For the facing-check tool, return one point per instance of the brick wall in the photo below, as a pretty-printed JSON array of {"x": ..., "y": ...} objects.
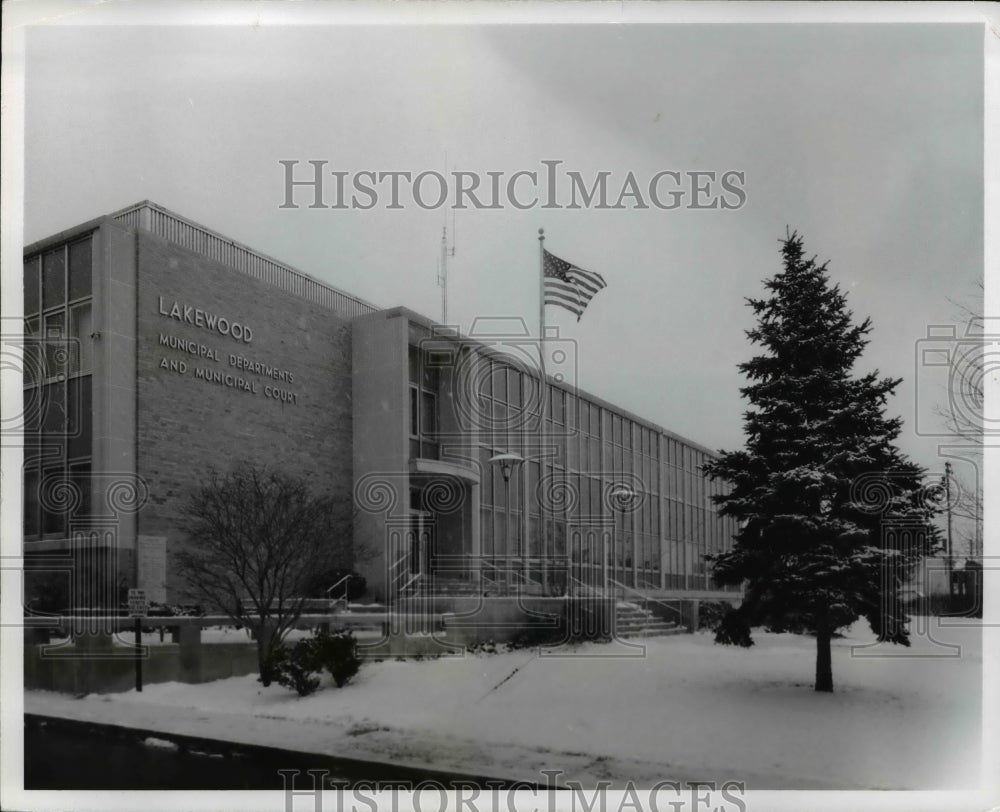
[{"x": 186, "y": 424}]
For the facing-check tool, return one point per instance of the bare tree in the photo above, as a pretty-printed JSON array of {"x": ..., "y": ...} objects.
[{"x": 257, "y": 539}]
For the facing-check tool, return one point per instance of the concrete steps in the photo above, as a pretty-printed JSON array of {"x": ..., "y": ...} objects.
[{"x": 634, "y": 621}]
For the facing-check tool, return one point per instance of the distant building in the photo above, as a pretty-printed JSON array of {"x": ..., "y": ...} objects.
[{"x": 158, "y": 349}]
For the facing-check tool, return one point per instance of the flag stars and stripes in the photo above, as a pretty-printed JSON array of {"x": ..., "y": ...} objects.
[{"x": 568, "y": 286}]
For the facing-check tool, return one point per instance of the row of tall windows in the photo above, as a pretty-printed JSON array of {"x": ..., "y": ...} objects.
[
  {"x": 596, "y": 449},
  {"x": 58, "y": 367},
  {"x": 423, "y": 393}
]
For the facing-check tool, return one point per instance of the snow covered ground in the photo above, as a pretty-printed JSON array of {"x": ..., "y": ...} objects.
[{"x": 685, "y": 710}]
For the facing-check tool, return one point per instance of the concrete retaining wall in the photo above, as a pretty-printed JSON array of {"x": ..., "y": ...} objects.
[{"x": 98, "y": 667}]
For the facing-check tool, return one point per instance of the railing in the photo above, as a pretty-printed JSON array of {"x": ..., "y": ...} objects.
[
  {"x": 344, "y": 580},
  {"x": 490, "y": 581},
  {"x": 644, "y": 599},
  {"x": 581, "y": 588},
  {"x": 208, "y": 243},
  {"x": 410, "y": 586},
  {"x": 505, "y": 578}
]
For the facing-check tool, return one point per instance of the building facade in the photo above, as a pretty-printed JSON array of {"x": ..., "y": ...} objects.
[{"x": 157, "y": 349}]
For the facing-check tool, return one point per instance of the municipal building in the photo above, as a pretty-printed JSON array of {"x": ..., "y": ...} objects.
[{"x": 157, "y": 349}]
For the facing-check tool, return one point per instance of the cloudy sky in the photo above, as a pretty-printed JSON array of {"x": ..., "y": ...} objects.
[{"x": 867, "y": 139}]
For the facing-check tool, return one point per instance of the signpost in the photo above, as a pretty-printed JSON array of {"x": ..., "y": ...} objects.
[{"x": 138, "y": 607}]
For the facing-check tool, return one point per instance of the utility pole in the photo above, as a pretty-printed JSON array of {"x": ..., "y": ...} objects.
[{"x": 947, "y": 502}]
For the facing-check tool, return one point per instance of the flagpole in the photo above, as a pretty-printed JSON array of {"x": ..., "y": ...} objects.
[{"x": 543, "y": 391}]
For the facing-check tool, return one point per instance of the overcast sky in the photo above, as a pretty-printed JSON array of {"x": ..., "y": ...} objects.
[{"x": 866, "y": 139}]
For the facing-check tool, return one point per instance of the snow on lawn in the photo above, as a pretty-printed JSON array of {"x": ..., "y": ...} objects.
[{"x": 686, "y": 710}]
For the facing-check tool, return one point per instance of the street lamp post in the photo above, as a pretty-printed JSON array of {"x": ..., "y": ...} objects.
[
  {"x": 507, "y": 463},
  {"x": 623, "y": 496}
]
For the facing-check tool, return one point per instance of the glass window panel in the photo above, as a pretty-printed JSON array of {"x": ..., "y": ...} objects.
[
  {"x": 428, "y": 413},
  {"x": 56, "y": 358},
  {"x": 79, "y": 475},
  {"x": 53, "y": 519},
  {"x": 81, "y": 347},
  {"x": 500, "y": 491},
  {"x": 31, "y": 358},
  {"x": 430, "y": 376},
  {"x": 514, "y": 387},
  {"x": 53, "y": 406},
  {"x": 499, "y": 379},
  {"x": 534, "y": 536},
  {"x": 31, "y": 282},
  {"x": 479, "y": 370},
  {"x": 54, "y": 278},
  {"x": 530, "y": 396},
  {"x": 79, "y": 269},
  {"x": 78, "y": 417},
  {"x": 414, "y": 364},
  {"x": 558, "y": 406},
  {"x": 573, "y": 453},
  {"x": 414, "y": 412},
  {"x": 32, "y": 411},
  {"x": 581, "y": 489},
  {"x": 561, "y": 443},
  {"x": 32, "y": 524},
  {"x": 414, "y": 448}
]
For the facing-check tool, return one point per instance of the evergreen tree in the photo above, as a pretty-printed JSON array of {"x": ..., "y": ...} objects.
[{"x": 833, "y": 517}]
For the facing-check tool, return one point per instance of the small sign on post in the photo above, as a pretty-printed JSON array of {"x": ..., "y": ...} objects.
[{"x": 138, "y": 607}]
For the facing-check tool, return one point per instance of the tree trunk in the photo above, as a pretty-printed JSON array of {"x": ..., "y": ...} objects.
[
  {"x": 263, "y": 662},
  {"x": 265, "y": 650},
  {"x": 824, "y": 668}
]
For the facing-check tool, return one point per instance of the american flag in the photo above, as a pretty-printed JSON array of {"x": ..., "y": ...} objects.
[{"x": 568, "y": 286}]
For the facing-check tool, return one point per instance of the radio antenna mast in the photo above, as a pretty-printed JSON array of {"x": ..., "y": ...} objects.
[{"x": 443, "y": 274}]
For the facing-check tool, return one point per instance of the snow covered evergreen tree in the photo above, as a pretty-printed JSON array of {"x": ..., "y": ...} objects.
[{"x": 833, "y": 517}]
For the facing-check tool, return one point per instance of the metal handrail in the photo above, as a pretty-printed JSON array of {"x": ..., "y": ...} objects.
[
  {"x": 402, "y": 590},
  {"x": 342, "y": 580},
  {"x": 505, "y": 584},
  {"x": 646, "y": 598},
  {"x": 596, "y": 591},
  {"x": 401, "y": 560}
]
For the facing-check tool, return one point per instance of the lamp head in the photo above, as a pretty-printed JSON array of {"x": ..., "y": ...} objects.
[{"x": 506, "y": 463}]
